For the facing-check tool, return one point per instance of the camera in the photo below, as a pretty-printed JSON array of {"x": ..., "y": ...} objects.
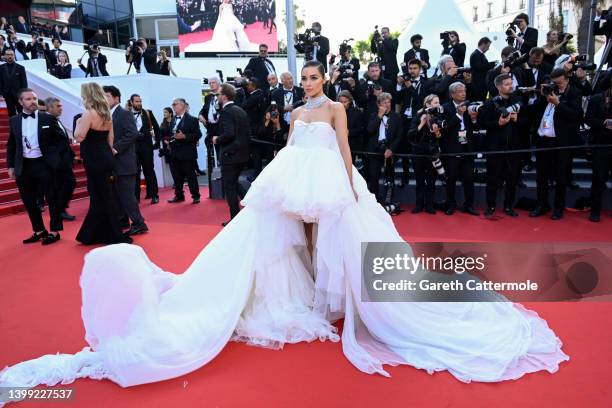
[
  {"x": 273, "y": 110},
  {"x": 40, "y": 40},
  {"x": 505, "y": 111},
  {"x": 512, "y": 27},
  {"x": 474, "y": 107},
  {"x": 525, "y": 90},
  {"x": 549, "y": 89},
  {"x": 586, "y": 67},
  {"x": 372, "y": 86},
  {"x": 515, "y": 59},
  {"x": 436, "y": 119},
  {"x": 304, "y": 43},
  {"x": 578, "y": 58},
  {"x": 434, "y": 110},
  {"x": 434, "y": 151},
  {"x": 91, "y": 47},
  {"x": 562, "y": 35}
]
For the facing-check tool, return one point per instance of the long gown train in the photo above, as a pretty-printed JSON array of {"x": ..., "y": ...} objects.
[{"x": 254, "y": 282}]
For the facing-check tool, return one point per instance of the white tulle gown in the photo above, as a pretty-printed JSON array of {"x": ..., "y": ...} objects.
[
  {"x": 253, "y": 282},
  {"x": 228, "y": 35}
]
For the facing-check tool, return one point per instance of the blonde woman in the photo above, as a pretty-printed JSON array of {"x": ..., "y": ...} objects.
[
  {"x": 164, "y": 64},
  {"x": 94, "y": 130}
]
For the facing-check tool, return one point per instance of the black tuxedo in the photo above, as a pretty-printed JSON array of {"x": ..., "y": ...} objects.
[
  {"x": 278, "y": 96},
  {"x": 462, "y": 167},
  {"x": 456, "y": 51},
  {"x": 144, "y": 151},
  {"x": 356, "y": 129},
  {"x": 392, "y": 141},
  {"x": 389, "y": 57},
  {"x": 89, "y": 71},
  {"x": 480, "y": 66},
  {"x": 184, "y": 155},
  {"x": 258, "y": 67},
  {"x": 254, "y": 106},
  {"x": 41, "y": 174},
  {"x": 234, "y": 145},
  {"x": 211, "y": 127},
  {"x": 12, "y": 79},
  {"x": 530, "y": 38},
  {"x": 323, "y": 51},
  {"x": 411, "y": 54}
]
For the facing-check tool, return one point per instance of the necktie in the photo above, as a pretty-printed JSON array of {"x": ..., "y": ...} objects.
[
  {"x": 95, "y": 64},
  {"x": 28, "y": 115}
]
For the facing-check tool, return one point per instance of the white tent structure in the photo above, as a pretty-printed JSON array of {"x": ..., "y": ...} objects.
[{"x": 435, "y": 17}]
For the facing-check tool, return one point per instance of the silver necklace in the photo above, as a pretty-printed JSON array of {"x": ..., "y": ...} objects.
[{"x": 314, "y": 103}]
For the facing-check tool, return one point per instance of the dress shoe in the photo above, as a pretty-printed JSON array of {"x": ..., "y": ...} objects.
[
  {"x": 137, "y": 229},
  {"x": 155, "y": 200},
  {"x": 430, "y": 210},
  {"x": 224, "y": 223},
  {"x": 449, "y": 211},
  {"x": 196, "y": 200},
  {"x": 51, "y": 238},
  {"x": 36, "y": 237},
  {"x": 470, "y": 210},
  {"x": 200, "y": 172},
  {"x": 176, "y": 199},
  {"x": 68, "y": 217},
  {"x": 126, "y": 239},
  {"x": 417, "y": 209},
  {"x": 510, "y": 211},
  {"x": 538, "y": 211},
  {"x": 489, "y": 211},
  {"x": 557, "y": 215},
  {"x": 594, "y": 217}
]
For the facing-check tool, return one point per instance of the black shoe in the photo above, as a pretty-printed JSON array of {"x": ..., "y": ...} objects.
[
  {"x": 594, "y": 217},
  {"x": 417, "y": 209},
  {"x": 528, "y": 166},
  {"x": 470, "y": 210},
  {"x": 51, "y": 238},
  {"x": 137, "y": 229},
  {"x": 36, "y": 237},
  {"x": 538, "y": 211},
  {"x": 67, "y": 217},
  {"x": 176, "y": 199},
  {"x": 200, "y": 172},
  {"x": 224, "y": 223},
  {"x": 449, "y": 211},
  {"x": 489, "y": 211},
  {"x": 556, "y": 215},
  {"x": 155, "y": 200},
  {"x": 196, "y": 200},
  {"x": 510, "y": 211},
  {"x": 126, "y": 239},
  {"x": 430, "y": 210}
]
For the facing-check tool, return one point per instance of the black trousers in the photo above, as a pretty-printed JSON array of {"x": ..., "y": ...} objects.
[
  {"x": 375, "y": 170},
  {"x": 67, "y": 182},
  {"x": 12, "y": 104},
  {"x": 602, "y": 165},
  {"x": 144, "y": 162},
  {"x": 552, "y": 165},
  {"x": 459, "y": 168},
  {"x": 127, "y": 201},
  {"x": 229, "y": 178},
  {"x": 425, "y": 176},
  {"x": 185, "y": 170},
  {"x": 35, "y": 174},
  {"x": 500, "y": 167}
]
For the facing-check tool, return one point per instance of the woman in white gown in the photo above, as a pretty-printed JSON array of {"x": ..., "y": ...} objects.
[
  {"x": 253, "y": 282},
  {"x": 228, "y": 34}
]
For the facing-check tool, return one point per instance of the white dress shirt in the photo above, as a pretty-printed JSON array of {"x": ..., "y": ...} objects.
[{"x": 29, "y": 135}]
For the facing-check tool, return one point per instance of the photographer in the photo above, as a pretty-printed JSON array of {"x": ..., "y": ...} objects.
[
  {"x": 603, "y": 26},
  {"x": 354, "y": 121},
  {"x": 555, "y": 47},
  {"x": 559, "y": 114},
  {"x": 505, "y": 67},
  {"x": 423, "y": 135},
  {"x": 575, "y": 68},
  {"x": 453, "y": 47},
  {"x": 96, "y": 64},
  {"x": 384, "y": 132},
  {"x": 321, "y": 45},
  {"x": 480, "y": 67},
  {"x": 344, "y": 75},
  {"x": 371, "y": 87},
  {"x": 287, "y": 98},
  {"x": 416, "y": 52},
  {"x": 499, "y": 116},
  {"x": 37, "y": 48},
  {"x": 254, "y": 106},
  {"x": 449, "y": 74},
  {"x": 457, "y": 137},
  {"x": 599, "y": 118},
  {"x": 385, "y": 47},
  {"x": 138, "y": 52},
  {"x": 525, "y": 38},
  {"x": 261, "y": 67},
  {"x": 271, "y": 131}
]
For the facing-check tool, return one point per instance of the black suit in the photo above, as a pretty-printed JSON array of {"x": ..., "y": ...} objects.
[
  {"x": 392, "y": 140},
  {"x": 144, "y": 152},
  {"x": 555, "y": 164},
  {"x": 89, "y": 71},
  {"x": 456, "y": 51},
  {"x": 530, "y": 40},
  {"x": 596, "y": 114},
  {"x": 44, "y": 173},
  {"x": 480, "y": 66},
  {"x": 367, "y": 100},
  {"x": 212, "y": 129},
  {"x": 184, "y": 155},
  {"x": 150, "y": 61},
  {"x": 234, "y": 142},
  {"x": 22, "y": 28},
  {"x": 453, "y": 141},
  {"x": 12, "y": 79},
  {"x": 124, "y": 165},
  {"x": 389, "y": 57},
  {"x": 411, "y": 54},
  {"x": 278, "y": 96},
  {"x": 258, "y": 67},
  {"x": 323, "y": 51}
]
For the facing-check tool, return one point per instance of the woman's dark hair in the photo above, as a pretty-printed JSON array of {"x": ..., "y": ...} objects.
[
  {"x": 169, "y": 110},
  {"x": 317, "y": 65}
]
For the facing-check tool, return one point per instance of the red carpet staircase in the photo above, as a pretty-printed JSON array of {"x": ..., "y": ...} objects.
[{"x": 10, "y": 203}]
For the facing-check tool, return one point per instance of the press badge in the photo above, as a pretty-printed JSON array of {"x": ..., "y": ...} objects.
[{"x": 462, "y": 136}]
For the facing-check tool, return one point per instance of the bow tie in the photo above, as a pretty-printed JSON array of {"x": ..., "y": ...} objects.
[
  {"x": 178, "y": 117},
  {"x": 28, "y": 115}
]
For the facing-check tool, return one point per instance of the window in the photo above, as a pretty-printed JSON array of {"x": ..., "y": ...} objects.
[
  {"x": 475, "y": 18},
  {"x": 489, "y": 11}
]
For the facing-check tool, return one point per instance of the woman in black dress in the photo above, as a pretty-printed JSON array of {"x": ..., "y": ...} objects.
[
  {"x": 63, "y": 69},
  {"x": 164, "y": 64},
  {"x": 94, "y": 130}
]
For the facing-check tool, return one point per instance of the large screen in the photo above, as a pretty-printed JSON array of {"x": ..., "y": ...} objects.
[{"x": 218, "y": 26}]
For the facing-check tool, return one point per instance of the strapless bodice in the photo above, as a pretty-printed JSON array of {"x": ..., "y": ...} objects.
[{"x": 314, "y": 135}]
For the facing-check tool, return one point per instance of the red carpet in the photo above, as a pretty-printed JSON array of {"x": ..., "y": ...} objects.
[
  {"x": 256, "y": 33},
  {"x": 40, "y": 314}
]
